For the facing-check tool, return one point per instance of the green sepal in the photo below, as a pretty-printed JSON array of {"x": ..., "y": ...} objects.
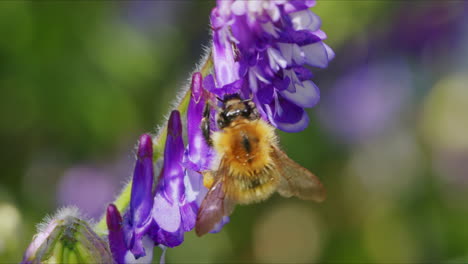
[{"x": 67, "y": 238}]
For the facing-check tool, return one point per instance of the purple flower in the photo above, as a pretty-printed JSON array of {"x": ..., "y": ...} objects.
[
  {"x": 173, "y": 213},
  {"x": 260, "y": 50},
  {"x": 117, "y": 242},
  {"x": 116, "y": 235},
  {"x": 128, "y": 238},
  {"x": 138, "y": 215},
  {"x": 198, "y": 155}
]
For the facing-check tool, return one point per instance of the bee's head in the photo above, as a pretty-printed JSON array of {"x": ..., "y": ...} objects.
[{"x": 234, "y": 108}]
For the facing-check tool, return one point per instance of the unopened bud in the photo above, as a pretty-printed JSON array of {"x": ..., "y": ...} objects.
[{"x": 67, "y": 238}]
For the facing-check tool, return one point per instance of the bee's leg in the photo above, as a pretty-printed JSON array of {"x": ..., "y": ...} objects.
[{"x": 205, "y": 125}]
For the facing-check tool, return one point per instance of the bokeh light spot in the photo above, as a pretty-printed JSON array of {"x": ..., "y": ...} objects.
[
  {"x": 10, "y": 219},
  {"x": 288, "y": 233}
]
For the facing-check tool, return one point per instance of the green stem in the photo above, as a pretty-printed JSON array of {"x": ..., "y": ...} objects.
[{"x": 123, "y": 200}]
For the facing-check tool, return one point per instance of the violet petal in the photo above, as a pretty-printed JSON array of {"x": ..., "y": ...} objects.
[
  {"x": 307, "y": 94},
  {"x": 141, "y": 199},
  {"x": 116, "y": 235}
]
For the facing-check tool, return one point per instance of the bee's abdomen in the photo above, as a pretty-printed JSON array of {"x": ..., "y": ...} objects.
[{"x": 254, "y": 186}]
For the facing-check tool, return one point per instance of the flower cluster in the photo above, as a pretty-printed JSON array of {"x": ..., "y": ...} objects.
[
  {"x": 260, "y": 50},
  {"x": 161, "y": 217}
]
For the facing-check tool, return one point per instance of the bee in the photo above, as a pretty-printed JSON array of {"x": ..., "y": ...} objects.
[{"x": 251, "y": 166}]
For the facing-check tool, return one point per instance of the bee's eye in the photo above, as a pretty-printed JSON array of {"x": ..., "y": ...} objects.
[{"x": 246, "y": 112}]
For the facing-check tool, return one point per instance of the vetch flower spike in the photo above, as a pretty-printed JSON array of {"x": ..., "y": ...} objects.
[
  {"x": 260, "y": 50},
  {"x": 172, "y": 213},
  {"x": 67, "y": 238}
]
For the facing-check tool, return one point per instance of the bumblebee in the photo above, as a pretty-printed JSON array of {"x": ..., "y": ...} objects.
[{"x": 251, "y": 166}]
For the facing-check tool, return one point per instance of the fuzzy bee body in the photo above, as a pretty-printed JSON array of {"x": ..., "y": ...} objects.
[
  {"x": 246, "y": 146},
  {"x": 251, "y": 167}
]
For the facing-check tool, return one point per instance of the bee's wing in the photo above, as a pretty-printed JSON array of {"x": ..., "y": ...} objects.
[
  {"x": 297, "y": 180},
  {"x": 215, "y": 205}
]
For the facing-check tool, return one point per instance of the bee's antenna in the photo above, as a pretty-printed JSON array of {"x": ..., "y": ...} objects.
[{"x": 219, "y": 99}]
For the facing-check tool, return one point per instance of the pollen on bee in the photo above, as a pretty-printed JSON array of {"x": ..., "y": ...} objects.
[{"x": 208, "y": 179}]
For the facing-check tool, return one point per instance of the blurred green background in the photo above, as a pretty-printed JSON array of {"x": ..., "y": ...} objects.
[{"x": 80, "y": 81}]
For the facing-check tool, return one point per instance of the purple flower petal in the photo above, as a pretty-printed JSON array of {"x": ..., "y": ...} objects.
[
  {"x": 169, "y": 239},
  {"x": 227, "y": 68},
  {"x": 276, "y": 60},
  {"x": 239, "y": 8},
  {"x": 138, "y": 216},
  {"x": 270, "y": 29},
  {"x": 301, "y": 38},
  {"x": 305, "y": 20},
  {"x": 230, "y": 88},
  {"x": 316, "y": 55},
  {"x": 265, "y": 94},
  {"x": 291, "y": 74},
  {"x": 188, "y": 214},
  {"x": 148, "y": 246},
  {"x": 171, "y": 211},
  {"x": 116, "y": 235},
  {"x": 141, "y": 200},
  {"x": 297, "y": 5},
  {"x": 287, "y": 116},
  {"x": 303, "y": 73},
  {"x": 194, "y": 188},
  {"x": 170, "y": 190},
  {"x": 165, "y": 213},
  {"x": 298, "y": 126},
  {"x": 330, "y": 52},
  {"x": 281, "y": 84},
  {"x": 320, "y": 34},
  {"x": 209, "y": 83},
  {"x": 292, "y": 53},
  {"x": 197, "y": 155},
  {"x": 307, "y": 94}
]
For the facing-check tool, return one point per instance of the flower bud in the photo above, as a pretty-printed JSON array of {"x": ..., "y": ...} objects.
[{"x": 67, "y": 238}]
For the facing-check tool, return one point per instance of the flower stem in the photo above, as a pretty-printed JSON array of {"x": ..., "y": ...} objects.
[{"x": 123, "y": 200}]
